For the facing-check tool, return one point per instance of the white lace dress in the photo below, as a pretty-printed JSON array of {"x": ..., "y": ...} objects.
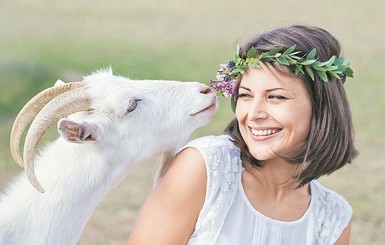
[{"x": 227, "y": 217}]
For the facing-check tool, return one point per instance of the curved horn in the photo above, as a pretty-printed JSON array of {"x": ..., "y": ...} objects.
[
  {"x": 30, "y": 110},
  {"x": 63, "y": 105}
]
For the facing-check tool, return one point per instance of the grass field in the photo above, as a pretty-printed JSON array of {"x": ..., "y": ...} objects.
[{"x": 42, "y": 41}]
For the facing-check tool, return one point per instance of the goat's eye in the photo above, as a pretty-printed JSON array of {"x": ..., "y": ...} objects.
[{"x": 132, "y": 103}]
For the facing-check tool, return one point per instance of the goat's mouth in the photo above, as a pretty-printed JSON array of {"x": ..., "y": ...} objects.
[{"x": 209, "y": 108}]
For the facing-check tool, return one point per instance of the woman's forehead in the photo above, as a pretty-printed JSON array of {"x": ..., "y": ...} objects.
[{"x": 268, "y": 78}]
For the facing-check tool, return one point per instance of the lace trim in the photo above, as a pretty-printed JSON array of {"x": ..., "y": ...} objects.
[
  {"x": 333, "y": 214},
  {"x": 222, "y": 163}
]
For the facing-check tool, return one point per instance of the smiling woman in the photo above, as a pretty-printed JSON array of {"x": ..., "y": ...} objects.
[
  {"x": 257, "y": 184},
  {"x": 273, "y": 111}
]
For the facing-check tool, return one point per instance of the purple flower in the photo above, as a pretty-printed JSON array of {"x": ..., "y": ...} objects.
[
  {"x": 222, "y": 67},
  {"x": 225, "y": 83}
]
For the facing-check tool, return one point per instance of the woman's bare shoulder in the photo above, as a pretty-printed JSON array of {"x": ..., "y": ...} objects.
[
  {"x": 174, "y": 204},
  {"x": 187, "y": 174}
]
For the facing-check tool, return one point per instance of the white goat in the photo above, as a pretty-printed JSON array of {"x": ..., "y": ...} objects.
[{"x": 120, "y": 122}]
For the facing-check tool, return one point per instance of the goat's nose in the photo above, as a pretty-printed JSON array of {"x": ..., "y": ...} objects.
[{"x": 205, "y": 90}]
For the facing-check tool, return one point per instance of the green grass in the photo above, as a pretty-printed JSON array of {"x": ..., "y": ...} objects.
[{"x": 42, "y": 41}]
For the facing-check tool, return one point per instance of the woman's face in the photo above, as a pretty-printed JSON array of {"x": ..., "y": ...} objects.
[{"x": 273, "y": 111}]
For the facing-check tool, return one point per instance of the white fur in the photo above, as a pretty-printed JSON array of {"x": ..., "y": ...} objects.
[{"x": 77, "y": 174}]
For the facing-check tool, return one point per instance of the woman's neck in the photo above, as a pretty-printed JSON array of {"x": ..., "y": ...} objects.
[{"x": 277, "y": 179}]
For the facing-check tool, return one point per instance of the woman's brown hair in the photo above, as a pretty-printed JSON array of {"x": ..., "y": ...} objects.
[{"x": 330, "y": 143}]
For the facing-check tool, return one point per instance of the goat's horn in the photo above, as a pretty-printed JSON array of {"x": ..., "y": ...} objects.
[
  {"x": 30, "y": 110},
  {"x": 63, "y": 105}
]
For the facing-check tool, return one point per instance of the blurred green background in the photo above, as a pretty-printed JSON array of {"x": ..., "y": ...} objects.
[{"x": 42, "y": 41}]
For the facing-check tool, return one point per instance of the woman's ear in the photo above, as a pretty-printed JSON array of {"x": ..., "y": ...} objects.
[{"x": 78, "y": 132}]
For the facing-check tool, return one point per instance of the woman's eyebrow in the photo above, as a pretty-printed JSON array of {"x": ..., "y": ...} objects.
[
  {"x": 245, "y": 88},
  {"x": 274, "y": 89},
  {"x": 268, "y": 90}
]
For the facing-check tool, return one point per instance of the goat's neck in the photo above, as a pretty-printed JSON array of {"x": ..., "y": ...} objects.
[{"x": 75, "y": 179}]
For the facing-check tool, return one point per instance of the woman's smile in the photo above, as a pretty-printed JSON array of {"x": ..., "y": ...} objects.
[{"x": 263, "y": 133}]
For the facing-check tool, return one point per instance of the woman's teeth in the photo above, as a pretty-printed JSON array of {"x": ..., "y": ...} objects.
[{"x": 264, "y": 132}]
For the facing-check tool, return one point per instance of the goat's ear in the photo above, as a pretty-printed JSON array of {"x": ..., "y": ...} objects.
[
  {"x": 78, "y": 132},
  {"x": 58, "y": 83}
]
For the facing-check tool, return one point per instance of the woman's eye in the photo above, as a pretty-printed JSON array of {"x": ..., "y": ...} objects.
[
  {"x": 244, "y": 96},
  {"x": 277, "y": 97}
]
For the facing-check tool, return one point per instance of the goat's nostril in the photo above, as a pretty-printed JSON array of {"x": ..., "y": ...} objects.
[{"x": 205, "y": 90}]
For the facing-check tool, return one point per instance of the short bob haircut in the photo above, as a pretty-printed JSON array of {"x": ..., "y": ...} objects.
[{"x": 330, "y": 143}]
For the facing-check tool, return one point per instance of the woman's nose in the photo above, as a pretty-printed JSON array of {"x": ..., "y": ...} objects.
[{"x": 257, "y": 110}]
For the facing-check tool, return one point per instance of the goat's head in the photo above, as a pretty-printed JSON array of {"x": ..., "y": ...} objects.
[{"x": 115, "y": 112}]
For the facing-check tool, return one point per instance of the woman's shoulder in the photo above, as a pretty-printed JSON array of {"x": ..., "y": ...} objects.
[
  {"x": 222, "y": 160},
  {"x": 213, "y": 143},
  {"x": 213, "y": 140},
  {"x": 333, "y": 212},
  {"x": 331, "y": 199},
  {"x": 217, "y": 149}
]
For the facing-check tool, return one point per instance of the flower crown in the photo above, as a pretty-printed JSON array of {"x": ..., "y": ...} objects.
[{"x": 306, "y": 64}]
